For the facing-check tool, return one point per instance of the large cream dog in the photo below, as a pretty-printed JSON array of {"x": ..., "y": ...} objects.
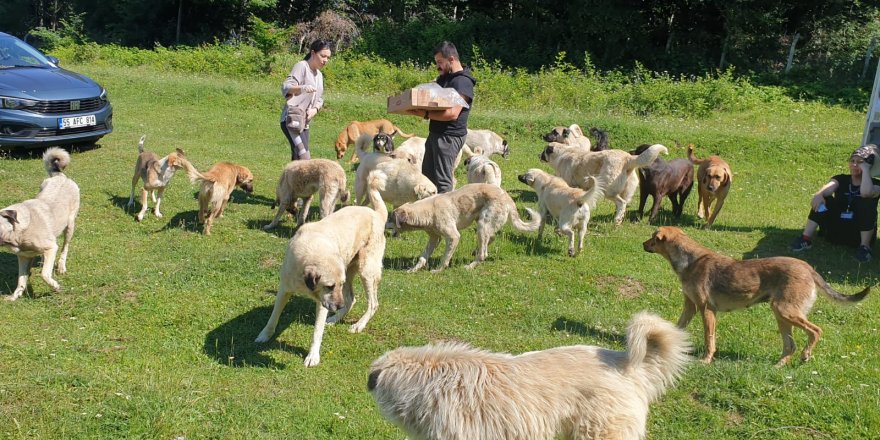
[
  {"x": 401, "y": 183},
  {"x": 616, "y": 169},
  {"x": 156, "y": 174},
  {"x": 301, "y": 179},
  {"x": 489, "y": 141},
  {"x": 571, "y": 207},
  {"x": 444, "y": 215},
  {"x": 481, "y": 169},
  {"x": 31, "y": 228},
  {"x": 216, "y": 187},
  {"x": 355, "y": 129},
  {"x": 453, "y": 391},
  {"x": 571, "y": 135},
  {"x": 322, "y": 260},
  {"x": 713, "y": 283}
]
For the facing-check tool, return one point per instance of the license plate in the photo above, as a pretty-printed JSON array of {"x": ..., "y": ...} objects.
[{"x": 76, "y": 122}]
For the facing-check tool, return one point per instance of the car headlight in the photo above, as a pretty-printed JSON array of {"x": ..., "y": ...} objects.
[
  {"x": 103, "y": 96},
  {"x": 16, "y": 103}
]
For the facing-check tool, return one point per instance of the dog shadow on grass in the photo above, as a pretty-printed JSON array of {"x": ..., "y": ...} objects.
[
  {"x": 232, "y": 343},
  {"x": 287, "y": 226},
  {"x": 240, "y": 197},
  {"x": 186, "y": 220}
]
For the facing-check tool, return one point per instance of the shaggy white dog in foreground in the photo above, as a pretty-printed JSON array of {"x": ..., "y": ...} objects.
[{"x": 453, "y": 391}]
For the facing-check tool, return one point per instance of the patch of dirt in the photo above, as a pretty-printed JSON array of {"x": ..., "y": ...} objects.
[{"x": 626, "y": 287}]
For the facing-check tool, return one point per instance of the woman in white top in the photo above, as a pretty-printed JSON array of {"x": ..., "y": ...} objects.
[{"x": 304, "y": 88}]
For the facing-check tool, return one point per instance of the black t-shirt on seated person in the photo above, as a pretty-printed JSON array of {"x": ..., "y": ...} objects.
[{"x": 463, "y": 82}]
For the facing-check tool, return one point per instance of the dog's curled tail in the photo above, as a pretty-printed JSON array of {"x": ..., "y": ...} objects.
[
  {"x": 397, "y": 130},
  {"x": 657, "y": 352},
  {"x": 692, "y": 157},
  {"x": 194, "y": 175},
  {"x": 141, "y": 144},
  {"x": 55, "y": 160},
  {"x": 835, "y": 295},
  {"x": 376, "y": 182},
  {"x": 517, "y": 222},
  {"x": 647, "y": 157},
  {"x": 592, "y": 195},
  {"x": 363, "y": 145}
]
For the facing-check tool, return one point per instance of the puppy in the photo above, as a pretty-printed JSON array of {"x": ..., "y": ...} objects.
[
  {"x": 616, "y": 170},
  {"x": 573, "y": 135},
  {"x": 713, "y": 283},
  {"x": 674, "y": 178},
  {"x": 31, "y": 228},
  {"x": 322, "y": 261},
  {"x": 444, "y": 215},
  {"x": 570, "y": 206},
  {"x": 489, "y": 141},
  {"x": 156, "y": 174},
  {"x": 216, "y": 187},
  {"x": 301, "y": 179},
  {"x": 453, "y": 391},
  {"x": 401, "y": 182},
  {"x": 481, "y": 169},
  {"x": 714, "y": 179},
  {"x": 355, "y": 129},
  {"x": 601, "y": 139}
]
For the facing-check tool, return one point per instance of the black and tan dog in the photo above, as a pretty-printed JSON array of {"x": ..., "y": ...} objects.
[{"x": 713, "y": 283}]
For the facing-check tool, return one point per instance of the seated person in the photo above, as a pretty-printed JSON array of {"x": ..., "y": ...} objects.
[{"x": 844, "y": 210}]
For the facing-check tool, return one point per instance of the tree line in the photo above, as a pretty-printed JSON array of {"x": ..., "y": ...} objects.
[{"x": 830, "y": 39}]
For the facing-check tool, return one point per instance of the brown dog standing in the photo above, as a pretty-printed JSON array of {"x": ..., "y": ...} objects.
[
  {"x": 217, "y": 185},
  {"x": 712, "y": 283},
  {"x": 714, "y": 178},
  {"x": 354, "y": 129}
]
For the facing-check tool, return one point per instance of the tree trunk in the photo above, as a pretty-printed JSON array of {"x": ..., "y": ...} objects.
[
  {"x": 669, "y": 35},
  {"x": 868, "y": 55},
  {"x": 797, "y": 36},
  {"x": 723, "y": 61},
  {"x": 179, "y": 19}
]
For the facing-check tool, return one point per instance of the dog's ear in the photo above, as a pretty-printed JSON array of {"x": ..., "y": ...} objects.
[
  {"x": 565, "y": 132},
  {"x": 10, "y": 215},
  {"x": 726, "y": 180},
  {"x": 373, "y": 379},
  {"x": 478, "y": 150},
  {"x": 311, "y": 279}
]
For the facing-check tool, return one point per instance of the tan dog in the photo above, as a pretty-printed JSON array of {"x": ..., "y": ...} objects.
[
  {"x": 713, "y": 180},
  {"x": 487, "y": 140},
  {"x": 156, "y": 174},
  {"x": 444, "y": 215},
  {"x": 322, "y": 261},
  {"x": 355, "y": 129},
  {"x": 481, "y": 169},
  {"x": 571, "y": 207},
  {"x": 713, "y": 283},
  {"x": 616, "y": 169},
  {"x": 579, "y": 392},
  {"x": 301, "y": 179},
  {"x": 216, "y": 187},
  {"x": 31, "y": 228},
  {"x": 401, "y": 183},
  {"x": 573, "y": 136}
]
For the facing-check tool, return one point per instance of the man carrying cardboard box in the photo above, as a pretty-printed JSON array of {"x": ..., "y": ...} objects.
[{"x": 448, "y": 127}]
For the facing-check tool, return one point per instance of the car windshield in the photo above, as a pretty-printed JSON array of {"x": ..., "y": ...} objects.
[{"x": 16, "y": 53}]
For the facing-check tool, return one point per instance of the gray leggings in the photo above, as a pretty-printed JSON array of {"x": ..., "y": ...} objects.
[{"x": 300, "y": 140}]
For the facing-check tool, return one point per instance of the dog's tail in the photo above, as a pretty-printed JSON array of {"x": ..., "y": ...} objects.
[
  {"x": 835, "y": 295},
  {"x": 647, "y": 158},
  {"x": 141, "y": 144},
  {"x": 363, "y": 145},
  {"x": 397, "y": 131},
  {"x": 517, "y": 222},
  {"x": 692, "y": 157},
  {"x": 55, "y": 160},
  {"x": 376, "y": 182},
  {"x": 657, "y": 351},
  {"x": 592, "y": 195},
  {"x": 194, "y": 175}
]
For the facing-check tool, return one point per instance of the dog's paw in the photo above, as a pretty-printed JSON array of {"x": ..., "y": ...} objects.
[
  {"x": 158, "y": 214},
  {"x": 440, "y": 269},
  {"x": 357, "y": 327},
  {"x": 270, "y": 226},
  {"x": 312, "y": 359},
  {"x": 262, "y": 338},
  {"x": 706, "y": 360},
  {"x": 140, "y": 217},
  {"x": 470, "y": 266},
  {"x": 571, "y": 253}
]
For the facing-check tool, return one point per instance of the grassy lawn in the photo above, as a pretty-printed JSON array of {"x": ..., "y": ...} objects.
[{"x": 152, "y": 336}]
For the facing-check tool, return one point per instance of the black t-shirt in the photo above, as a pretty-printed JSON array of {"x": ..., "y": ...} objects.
[
  {"x": 847, "y": 196},
  {"x": 463, "y": 82}
]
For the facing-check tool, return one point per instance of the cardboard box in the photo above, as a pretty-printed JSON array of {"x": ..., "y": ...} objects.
[{"x": 416, "y": 98}]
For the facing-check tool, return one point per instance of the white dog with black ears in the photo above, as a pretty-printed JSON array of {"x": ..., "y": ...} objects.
[
  {"x": 454, "y": 391},
  {"x": 322, "y": 260}
]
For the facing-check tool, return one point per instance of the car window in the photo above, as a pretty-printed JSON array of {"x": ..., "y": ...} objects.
[{"x": 16, "y": 53}]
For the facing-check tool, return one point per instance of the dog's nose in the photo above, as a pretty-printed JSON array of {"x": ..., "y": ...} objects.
[{"x": 648, "y": 247}]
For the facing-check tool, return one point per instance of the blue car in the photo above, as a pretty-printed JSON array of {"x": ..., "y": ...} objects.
[{"x": 42, "y": 104}]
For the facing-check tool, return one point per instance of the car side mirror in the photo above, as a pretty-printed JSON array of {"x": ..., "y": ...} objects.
[{"x": 54, "y": 61}]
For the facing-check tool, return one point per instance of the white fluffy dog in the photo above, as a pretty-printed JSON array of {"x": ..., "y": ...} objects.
[
  {"x": 453, "y": 391},
  {"x": 481, "y": 169}
]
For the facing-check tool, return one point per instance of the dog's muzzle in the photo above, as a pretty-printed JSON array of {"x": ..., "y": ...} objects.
[
  {"x": 248, "y": 187},
  {"x": 522, "y": 178},
  {"x": 649, "y": 246}
]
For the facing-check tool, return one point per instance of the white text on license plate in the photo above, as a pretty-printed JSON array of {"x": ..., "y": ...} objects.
[{"x": 76, "y": 121}]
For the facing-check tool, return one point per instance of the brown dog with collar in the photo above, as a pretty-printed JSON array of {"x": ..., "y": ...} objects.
[
  {"x": 713, "y": 181},
  {"x": 354, "y": 129},
  {"x": 713, "y": 283}
]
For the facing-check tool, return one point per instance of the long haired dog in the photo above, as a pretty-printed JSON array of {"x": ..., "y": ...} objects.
[
  {"x": 322, "y": 261},
  {"x": 714, "y": 178},
  {"x": 481, "y": 169},
  {"x": 31, "y": 228},
  {"x": 216, "y": 187},
  {"x": 573, "y": 136},
  {"x": 156, "y": 174},
  {"x": 712, "y": 282},
  {"x": 616, "y": 169},
  {"x": 453, "y": 391},
  {"x": 674, "y": 178},
  {"x": 402, "y": 182},
  {"x": 571, "y": 207},
  {"x": 301, "y": 179},
  {"x": 444, "y": 215}
]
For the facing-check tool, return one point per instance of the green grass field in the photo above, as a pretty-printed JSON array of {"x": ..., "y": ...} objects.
[{"x": 152, "y": 335}]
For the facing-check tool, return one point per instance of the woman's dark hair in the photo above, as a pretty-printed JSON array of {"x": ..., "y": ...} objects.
[
  {"x": 446, "y": 49},
  {"x": 317, "y": 46}
]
